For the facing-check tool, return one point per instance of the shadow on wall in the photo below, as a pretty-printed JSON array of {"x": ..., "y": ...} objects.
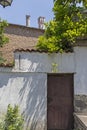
[
  {"x": 37, "y": 62},
  {"x": 34, "y": 92},
  {"x": 28, "y": 90},
  {"x": 4, "y": 79},
  {"x": 7, "y": 87}
]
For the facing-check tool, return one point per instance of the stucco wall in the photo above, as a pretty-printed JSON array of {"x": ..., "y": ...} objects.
[
  {"x": 28, "y": 90},
  {"x": 75, "y": 62},
  {"x": 65, "y": 63},
  {"x": 26, "y": 83},
  {"x": 43, "y": 62},
  {"x": 81, "y": 70},
  {"x": 80, "y": 80}
]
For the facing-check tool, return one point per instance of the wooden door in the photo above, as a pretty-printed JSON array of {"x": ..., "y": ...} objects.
[{"x": 60, "y": 102}]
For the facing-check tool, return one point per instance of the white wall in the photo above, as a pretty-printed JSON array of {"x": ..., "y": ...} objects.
[
  {"x": 80, "y": 78},
  {"x": 66, "y": 63},
  {"x": 28, "y": 90},
  {"x": 42, "y": 62},
  {"x": 26, "y": 83}
]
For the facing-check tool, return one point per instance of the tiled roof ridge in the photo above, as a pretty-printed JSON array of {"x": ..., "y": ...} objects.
[{"x": 29, "y": 50}]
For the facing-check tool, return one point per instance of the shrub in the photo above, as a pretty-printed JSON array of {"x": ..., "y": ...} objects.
[
  {"x": 3, "y": 38},
  {"x": 13, "y": 120}
]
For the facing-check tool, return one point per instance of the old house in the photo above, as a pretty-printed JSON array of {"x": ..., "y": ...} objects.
[{"x": 48, "y": 88}]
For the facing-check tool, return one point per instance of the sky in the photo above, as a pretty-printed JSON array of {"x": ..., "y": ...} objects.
[{"x": 16, "y": 13}]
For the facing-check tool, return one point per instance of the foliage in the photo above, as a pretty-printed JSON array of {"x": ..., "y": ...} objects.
[
  {"x": 68, "y": 24},
  {"x": 13, "y": 120},
  {"x": 54, "y": 67},
  {"x": 2, "y": 60},
  {"x": 3, "y": 38}
]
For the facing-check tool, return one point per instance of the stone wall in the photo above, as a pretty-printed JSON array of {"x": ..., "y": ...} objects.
[
  {"x": 80, "y": 103},
  {"x": 23, "y": 30},
  {"x": 19, "y": 37}
]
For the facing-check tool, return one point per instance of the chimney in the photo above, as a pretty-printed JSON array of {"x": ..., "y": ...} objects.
[
  {"x": 41, "y": 21},
  {"x": 27, "y": 20}
]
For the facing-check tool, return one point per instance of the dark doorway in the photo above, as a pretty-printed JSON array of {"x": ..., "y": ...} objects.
[{"x": 60, "y": 102}]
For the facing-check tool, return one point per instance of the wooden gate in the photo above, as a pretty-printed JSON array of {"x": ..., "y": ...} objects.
[{"x": 60, "y": 102}]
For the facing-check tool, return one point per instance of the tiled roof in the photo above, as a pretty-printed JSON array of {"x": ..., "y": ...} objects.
[{"x": 20, "y": 37}]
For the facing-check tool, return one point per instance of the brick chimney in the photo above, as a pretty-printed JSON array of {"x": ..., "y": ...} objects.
[
  {"x": 41, "y": 21},
  {"x": 27, "y": 20}
]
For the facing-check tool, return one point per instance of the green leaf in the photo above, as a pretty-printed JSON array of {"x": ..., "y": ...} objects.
[{"x": 68, "y": 24}]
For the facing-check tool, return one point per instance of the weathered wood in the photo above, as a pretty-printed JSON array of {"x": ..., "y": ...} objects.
[{"x": 60, "y": 102}]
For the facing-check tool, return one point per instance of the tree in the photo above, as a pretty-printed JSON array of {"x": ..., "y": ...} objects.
[
  {"x": 3, "y": 38},
  {"x": 68, "y": 24}
]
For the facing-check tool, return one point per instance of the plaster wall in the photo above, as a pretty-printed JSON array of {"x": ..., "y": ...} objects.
[
  {"x": 80, "y": 78},
  {"x": 75, "y": 62},
  {"x": 43, "y": 62},
  {"x": 28, "y": 90},
  {"x": 26, "y": 83}
]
